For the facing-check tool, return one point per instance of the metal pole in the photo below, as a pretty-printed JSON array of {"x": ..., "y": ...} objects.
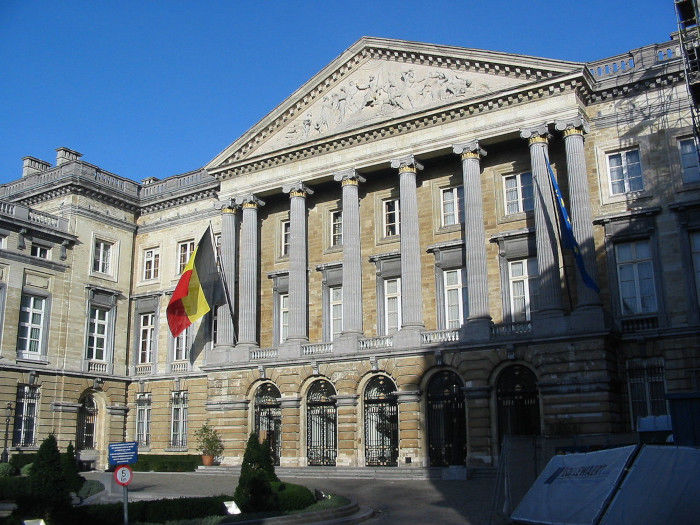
[
  {"x": 126, "y": 505},
  {"x": 5, "y": 455}
]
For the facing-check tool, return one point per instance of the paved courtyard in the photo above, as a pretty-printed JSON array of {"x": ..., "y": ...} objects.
[{"x": 395, "y": 502}]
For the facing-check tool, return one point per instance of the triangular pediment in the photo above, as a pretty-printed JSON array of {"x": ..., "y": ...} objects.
[{"x": 378, "y": 80}]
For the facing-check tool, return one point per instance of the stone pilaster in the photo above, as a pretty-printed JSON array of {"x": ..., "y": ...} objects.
[
  {"x": 352, "y": 263},
  {"x": 480, "y": 445},
  {"x": 230, "y": 418},
  {"x": 548, "y": 314},
  {"x": 411, "y": 290},
  {"x": 248, "y": 281},
  {"x": 291, "y": 429},
  {"x": 347, "y": 429},
  {"x": 479, "y": 320},
  {"x": 410, "y": 436},
  {"x": 298, "y": 267}
]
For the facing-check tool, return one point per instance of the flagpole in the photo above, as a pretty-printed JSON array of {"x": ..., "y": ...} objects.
[{"x": 224, "y": 280}]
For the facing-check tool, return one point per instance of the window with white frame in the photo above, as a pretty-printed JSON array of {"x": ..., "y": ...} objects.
[
  {"x": 635, "y": 276},
  {"x": 392, "y": 217},
  {"x": 178, "y": 427},
  {"x": 454, "y": 300},
  {"x": 283, "y": 316},
  {"x": 284, "y": 239},
  {"x": 3, "y": 241},
  {"x": 181, "y": 347},
  {"x": 31, "y": 325},
  {"x": 147, "y": 338},
  {"x": 25, "y": 415},
  {"x": 37, "y": 250},
  {"x": 522, "y": 275},
  {"x": 689, "y": 160},
  {"x": 335, "y": 314},
  {"x": 102, "y": 257},
  {"x": 625, "y": 172},
  {"x": 695, "y": 251},
  {"x": 647, "y": 388},
  {"x": 336, "y": 234},
  {"x": 185, "y": 250},
  {"x": 517, "y": 193},
  {"x": 392, "y": 305},
  {"x": 151, "y": 264},
  {"x": 143, "y": 419},
  {"x": 451, "y": 206},
  {"x": 98, "y": 324},
  {"x": 217, "y": 246}
]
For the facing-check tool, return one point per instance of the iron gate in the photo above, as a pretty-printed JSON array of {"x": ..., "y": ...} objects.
[
  {"x": 87, "y": 419},
  {"x": 268, "y": 418},
  {"x": 321, "y": 424},
  {"x": 381, "y": 423},
  {"x": 518, "y": 403},
  {"x": 447, "y": 430}
]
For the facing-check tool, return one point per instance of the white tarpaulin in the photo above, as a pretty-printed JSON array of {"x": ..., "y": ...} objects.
[
  {"x": 661, "y": 487},
  {"x": 574, "y": 488}
]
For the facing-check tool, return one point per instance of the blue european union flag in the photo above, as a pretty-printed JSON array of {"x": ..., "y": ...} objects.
[{"x": 567, "y": 234}]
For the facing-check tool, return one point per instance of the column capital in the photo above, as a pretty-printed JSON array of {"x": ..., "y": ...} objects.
[
  {"x": 573, "y": 126},
  {"x": 298, "y": 189},
  {"x": 536, "y": 134},
  {"x": 406, "y": 164},
  {"x": 250, "y": 201},
  {"x": 469, "y": 150},
  {"x": 226, "y": 205},
  {"x": 348, "y": 177}
]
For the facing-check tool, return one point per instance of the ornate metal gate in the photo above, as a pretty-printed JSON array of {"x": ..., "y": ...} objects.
[
  {"x": 321, "y": 424},
  {"x": 381, "y": 423},
  {"x": 518, "y": 402},
  {"x": 87, "y": 420},
  {"x": 268, "y": 418},
  {"x": 447, "y": 430}
]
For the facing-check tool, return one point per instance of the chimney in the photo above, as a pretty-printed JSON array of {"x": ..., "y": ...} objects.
[
  {"x": 149, "y": 180},
  {"x": 32, "y": 165},
  {"x": 64, "y": 155}
]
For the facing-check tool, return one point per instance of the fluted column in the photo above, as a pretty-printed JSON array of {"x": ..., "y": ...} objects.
[
  {"x": 248, "y": 281},
  {"x": 479, "y": 320},
  {"x": 549, "y": 289},
  {"x": 352, "y": 270},
  {"x": 226, "y": 336},
  {"x": 411, "y": 296},
  {"x": 298, "y": 267}
]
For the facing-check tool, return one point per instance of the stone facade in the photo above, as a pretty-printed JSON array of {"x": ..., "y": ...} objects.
[{"x": 400, "y": 293}]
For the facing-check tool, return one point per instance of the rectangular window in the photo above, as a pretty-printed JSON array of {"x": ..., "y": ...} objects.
[
  {"x": 178, "y": 428},
  {"x": 625, "y": 172},
  {"x": 185, "y": 250},
  {"x": 3, "y": 241},
  {"x": 284, "y": 238},
  {"x": 336, "y": 310},
  {"x": 284, "y": 316},
  {"x": 454, "y": 305},
  {"x": 143, "y": 419},
  {"x": 522, "y": 275},
  {"x": 181, "y": 347},
  {"x": 147, "y": 338},
  {"x": 217, "y": 246},
  {"x": 647, "y": 388},
  {"x": 25, "y": 415},
  {"x": 392, "y": 305},
  {"x": 40, "y": 251},
  {"x": 517, "y": 192},
  {"x": 336, "y": 228},
  {"x": 635, "y": 276},
  {"x": 31, "y": 325},
  {"x": 392, "y": 217},
  {"x": 695, "y": 250},
  {"x": 151, "y": 264},
  {"x": 97, "y": 333},
  {"x": 102, "y": 257},
  {"x": 452, "y": 205},
  {"x": 689, "y": 160}
]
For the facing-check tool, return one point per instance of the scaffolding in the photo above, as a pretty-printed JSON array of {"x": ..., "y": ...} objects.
[{"x": 689, "y": 36}]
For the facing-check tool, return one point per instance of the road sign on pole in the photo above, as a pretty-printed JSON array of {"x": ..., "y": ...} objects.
[
  {"x": 123, "y": 453},
  {"x": 124, "y": 475}
]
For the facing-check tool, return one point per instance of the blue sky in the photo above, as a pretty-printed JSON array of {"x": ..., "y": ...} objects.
[{"x": 149, "y": 88}]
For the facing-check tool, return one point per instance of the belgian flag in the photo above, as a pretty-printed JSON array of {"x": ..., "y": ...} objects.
[{"x": 199, "y": 289}]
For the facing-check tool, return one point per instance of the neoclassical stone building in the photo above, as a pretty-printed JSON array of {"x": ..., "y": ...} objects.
[{"x": 400, "y": 294}]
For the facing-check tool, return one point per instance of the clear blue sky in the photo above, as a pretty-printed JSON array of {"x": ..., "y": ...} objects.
[{"x": 155, "y": 88}]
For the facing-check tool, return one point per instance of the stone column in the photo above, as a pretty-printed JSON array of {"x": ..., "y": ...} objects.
[
  {"x": 289, "y": 406},
  {"x": 411, "y": 290},
  {"x": 352, "y": 263},
  {"x": 248, "y": 281},
  {"x": 347, "y": 430},
  {"x": 580, "y": 202},
  {"x": 479, "y": 320},
  {"x": 298, "y": 267},
  {"x": 410, "y": 436},
  {"x": 548, "y": 314},
  {"x": 226, "y": 337}
]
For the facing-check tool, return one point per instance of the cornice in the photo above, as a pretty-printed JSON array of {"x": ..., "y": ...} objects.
[
  {"x": 100, "y": 217},
  {"x": 185, "y": 198},
  {"x": 172, "y": 221}
]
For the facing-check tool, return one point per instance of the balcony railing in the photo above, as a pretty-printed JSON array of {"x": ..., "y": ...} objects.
[
  {"x": 317, "y": 348},
  {"x": 263, "y": 353},
  {"x": 634, "y": 60},
  {"x": 179, "y": 366},
  {"x": 97, "y": 366},
  {"x": 384, "y": 341},
  {"x": 18, "y": 211},
  {"x": 440, "y": 336},
  {"x": 639, "y": 324},
  {"x": 144, "y": 369},
  {"x": 509, "y": 329}
]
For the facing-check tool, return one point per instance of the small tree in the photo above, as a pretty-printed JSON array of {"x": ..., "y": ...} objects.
[
  {"x": 208, "y": 441},
  {"x": 69, "y": 465},
  {"x": 266, "y": 463},
  {"x": 254, "y": 492},
  {"x": 50, "y": 492}
]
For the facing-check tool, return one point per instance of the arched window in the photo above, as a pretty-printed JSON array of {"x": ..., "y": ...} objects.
[
  {"x": 381, "y": 423},
  {"x": 447, "y": 428},
  {"x": 321, "y": 424},
  {"x": 87, "y": 423},
  {"x": 268, "y": 417}
]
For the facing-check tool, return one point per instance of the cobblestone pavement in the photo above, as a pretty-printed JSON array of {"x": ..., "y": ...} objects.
[{"x": 429, "y": 502}]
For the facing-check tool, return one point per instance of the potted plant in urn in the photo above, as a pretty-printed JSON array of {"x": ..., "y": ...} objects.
[{"x": 209, "y": 444}]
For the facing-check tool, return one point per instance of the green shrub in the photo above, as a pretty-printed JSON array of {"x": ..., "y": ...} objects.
[
  {"x": 49, "y": 489},
  {"x": 21, "y": 459},
  {"x": 69, "y": 466},
  {"x": 7, "y": 470},
  {"x": 292, "y": 497},
  {"x": 90, "y": 487},
  {"x": 12, "y": 488},
  {"x": 26, "y": 469},
  {"x": 167, "y": 463},
  {"x": 254, "y": 493}
]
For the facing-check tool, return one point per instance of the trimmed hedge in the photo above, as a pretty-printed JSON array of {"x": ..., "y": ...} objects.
[
  {"x": 21, "y": 459},
  {"x": 7, "y": 470},
  {"x": 12, "y": 488},
  {"x": 291, "y": 496},
  {"x": 167, "y": 463}
]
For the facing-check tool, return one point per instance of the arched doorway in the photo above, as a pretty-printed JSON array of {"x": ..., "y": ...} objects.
[
  {"x": 85, "y": 438},
  {"x": 381, "y": 423},
  {"x": 268, "y": 417},
  {"x": 517, "y": 400},
  {"x": 447, "y": 428},
  {"x": 321, "y": 424}
]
